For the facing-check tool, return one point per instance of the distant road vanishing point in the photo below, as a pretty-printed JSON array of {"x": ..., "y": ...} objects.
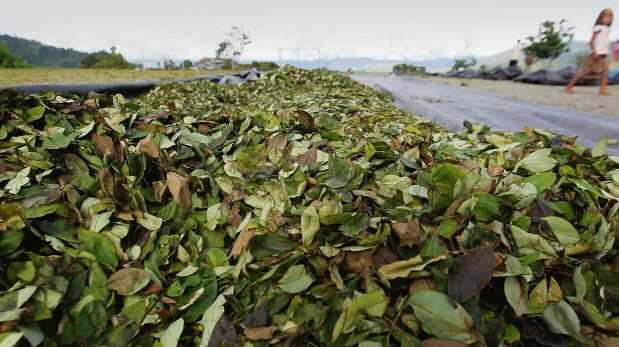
[{"x": 450, "y": 106}]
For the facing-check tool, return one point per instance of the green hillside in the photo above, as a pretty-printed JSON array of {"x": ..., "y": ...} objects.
[
  {"x": 37, "y": 54},
  {"x": 8, "y": 60}
]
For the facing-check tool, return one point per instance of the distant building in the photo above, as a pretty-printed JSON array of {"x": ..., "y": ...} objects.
[{"x": 207, "y": 63}]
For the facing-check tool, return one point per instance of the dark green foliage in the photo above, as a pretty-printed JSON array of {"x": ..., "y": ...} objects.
[
  {"x": 187, "y": 64},
  {"x": 9, "y": 60},
  {"x": 552, "y": 40},
  {"x": 169, "y": 65},
  {"x": 264, "y": 65},
  {"x": 463, "y": 64},
  {"x": 38, "y": 54},
  {"x": 105, "y": 60},
  {"x": 408, "y": 69}
]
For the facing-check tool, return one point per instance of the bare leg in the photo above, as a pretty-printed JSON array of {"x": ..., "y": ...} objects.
[
  {"x": 604, "y": 82},
  {"x": 579, "y": 75}
]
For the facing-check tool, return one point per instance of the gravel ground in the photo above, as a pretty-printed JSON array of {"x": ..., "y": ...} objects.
[{"x": 584, "y": 98}]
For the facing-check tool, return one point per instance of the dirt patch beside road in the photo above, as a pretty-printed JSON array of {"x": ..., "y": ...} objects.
[{"x": 584, "y": 98}]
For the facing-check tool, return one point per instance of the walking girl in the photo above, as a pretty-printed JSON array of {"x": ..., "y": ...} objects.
[{"x": 597, "y": 62}]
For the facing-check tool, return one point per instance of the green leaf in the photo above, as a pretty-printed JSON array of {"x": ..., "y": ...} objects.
[
  {"x": 128, "y": 281},
  {"x": 353, "y": 313},
  {"x": 538, "y": 161},
  {"x": 57, "y": 140},
  {"x": 579, "y": 283},
  {"x": 100, "y": 246},
  {"x": 538, "y": 300},
  {"x": 295, "y": 280},
  {"x": 448, "y": 228},
  {"x": 150, "y": 222},
  {"x": 171, "y": 335},
  {"x": 310, "y": 224},
  {"x": 32, "y": 333},
  {"x": 531, "y": 244},
  {"x": 34, "y": 113},
  {"x": 442, "y": 317},
  {"x": 210, "y": 318},
  {"x": 401, "y": 269},
  {"x": 100, "y": 221},
  {"x": 542, "y": 181},
  {"x": 487, "y": 207},
  {"x": 10, "y": 339},
  {"x": 516, "y": 289},
  {"x": 10, "y": 241},
  {"x": 561, "y": 319},
  {"x": 563, "y": 230},
  {"x": 600, "y": 148},
  {"x": 20, "y": 180}
]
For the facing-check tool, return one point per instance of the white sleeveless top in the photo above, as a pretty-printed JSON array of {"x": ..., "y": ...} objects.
[{"x": 601, "y": 44}]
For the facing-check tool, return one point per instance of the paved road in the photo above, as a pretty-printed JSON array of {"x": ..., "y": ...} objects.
[{"x": 450, "y": 106}]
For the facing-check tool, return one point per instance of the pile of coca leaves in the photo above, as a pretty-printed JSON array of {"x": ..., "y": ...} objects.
[{"x": 302, "y": 209}]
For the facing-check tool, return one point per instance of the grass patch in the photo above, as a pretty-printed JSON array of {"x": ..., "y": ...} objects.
[{"x": 13, "y": 77}]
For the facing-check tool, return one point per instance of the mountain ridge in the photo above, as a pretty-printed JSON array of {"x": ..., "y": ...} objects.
[{"x": 39, "y": 54}]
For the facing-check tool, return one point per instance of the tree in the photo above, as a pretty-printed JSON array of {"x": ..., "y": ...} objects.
[
  {"x": 9, "y": 60},
  {"x": 38, "y": 54},
  {"x": 222, "y": 49},
  {"x": 105, "y": 60},
  {"x": 187, "y": 64},
  {"x": 408, "y": 69},
  {"x": 234, "y": 44},
  {"x": 552, "y": 40},
  {"x": 169, "y": 64},
  {"x": 463, "y": 64}
]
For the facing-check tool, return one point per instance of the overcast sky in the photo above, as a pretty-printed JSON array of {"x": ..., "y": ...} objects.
[{"x": 412, "y": 29}]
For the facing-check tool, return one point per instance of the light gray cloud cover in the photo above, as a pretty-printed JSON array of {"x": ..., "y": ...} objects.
[{"x": 410, "y": 29}]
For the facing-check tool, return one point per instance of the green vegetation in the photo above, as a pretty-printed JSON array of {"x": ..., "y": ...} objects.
[
  {"x": 264, "y": 65},
  {"x": 463, "y": 64},
  {"x": 38, "y": 54},
  {"x": 105, "y": 60},
  {"x": 408, "y": 69},
  {"x": 8, "y": 60},
  {"x": 12, "y": 77},
  {"x": 552, "y": 40},
  {"x": 187, "y": 64},
  {"x": 302, "y": 209}
]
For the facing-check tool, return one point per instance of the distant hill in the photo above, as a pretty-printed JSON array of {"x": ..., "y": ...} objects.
[
  {"x": 566, "y": 59},
  {"x": 38, "y": 54}
]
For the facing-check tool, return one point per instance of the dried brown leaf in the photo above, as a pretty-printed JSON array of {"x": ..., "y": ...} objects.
[
  {"x": 441, "y": 343},
  {"x": 261, "y": 333},
  {"x": 104, "y": 144},
  {"x": 179, "y": 188},
  {"x": 309, "y": 157},
  {"x": 409, "y": 233},
  {"x": 149, "y": 147},
  {"x": 242, "y": 242},
  {"x": 306, "y": 120},
  {"x": 358, "y": 261},
  {"x": 421, "y": 284}
]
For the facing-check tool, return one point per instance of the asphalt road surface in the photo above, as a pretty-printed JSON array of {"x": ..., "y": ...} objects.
[{"x": 450, "y": 106}]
